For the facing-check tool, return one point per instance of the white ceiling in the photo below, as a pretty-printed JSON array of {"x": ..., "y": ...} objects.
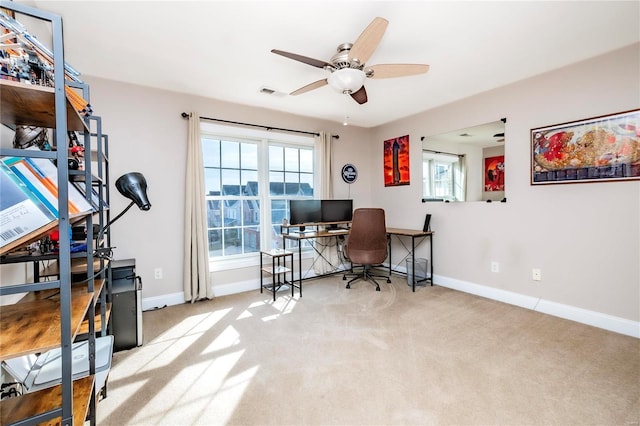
[{"x": 221, "y": 49}]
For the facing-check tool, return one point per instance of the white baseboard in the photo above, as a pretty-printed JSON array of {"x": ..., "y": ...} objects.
[
  {"x": 150, "y": 303},
  {"x": 156, "y": 302},
  {"x": 219, "y": 290},
  {"x": 237, "y": 287},
  {"x": 584, "y": 316}
]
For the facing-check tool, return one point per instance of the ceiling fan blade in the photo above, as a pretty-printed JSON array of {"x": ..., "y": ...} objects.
[
  {"x": 310, "y": 61},
  {"x": 367, "y": 42},
  {"x": 396, "y": 70},
  {"x": 360, "y": 96},
  {"x": 309, "y": 87}
]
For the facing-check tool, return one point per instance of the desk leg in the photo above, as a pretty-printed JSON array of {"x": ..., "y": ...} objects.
[
  {"x": 431, "y": 257},
  {"x": 413, "y": 263},
  {"x": 261, "y": 275},
  {"x": 300, "y": 265},
  {"x": 273, "y": 277},
  {"x": 389, "y": 242}
]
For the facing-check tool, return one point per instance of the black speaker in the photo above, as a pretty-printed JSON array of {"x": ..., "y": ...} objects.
[{"x": 427, "y": 221}]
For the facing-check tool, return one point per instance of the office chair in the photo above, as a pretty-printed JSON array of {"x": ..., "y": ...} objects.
[{"x": 367, "y": 244}]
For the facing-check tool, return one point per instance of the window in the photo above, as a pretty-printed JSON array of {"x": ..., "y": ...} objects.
[
  {"x": 444, "y": 177},
  {"x": 249, "y": 182}
]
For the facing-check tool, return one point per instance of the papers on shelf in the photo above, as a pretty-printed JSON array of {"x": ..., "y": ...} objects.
[
  {"x": 21, "y": 212},
  {"x": 40, "y": 175}
]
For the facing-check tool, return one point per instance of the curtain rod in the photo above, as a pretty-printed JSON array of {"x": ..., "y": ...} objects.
[
  {"x": 185, "y": 115},
  {"x": 442, "y": 152}
]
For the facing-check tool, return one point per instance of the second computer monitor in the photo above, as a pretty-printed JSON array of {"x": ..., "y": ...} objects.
[{"x": 337, "y": 210}]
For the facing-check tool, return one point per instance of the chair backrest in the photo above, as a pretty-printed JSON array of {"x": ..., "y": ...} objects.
[{"x": 367, "y": 244}]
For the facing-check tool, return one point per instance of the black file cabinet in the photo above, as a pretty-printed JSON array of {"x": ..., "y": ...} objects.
[{"x": 126, "y": 305}]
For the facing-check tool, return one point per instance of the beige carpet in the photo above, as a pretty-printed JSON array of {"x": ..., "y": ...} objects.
[{"x": 361, "y": 357}]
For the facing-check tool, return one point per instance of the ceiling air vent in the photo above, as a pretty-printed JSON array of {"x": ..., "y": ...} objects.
[{"x": 269, "y": 91}]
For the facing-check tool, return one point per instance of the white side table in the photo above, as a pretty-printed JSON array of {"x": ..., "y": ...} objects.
[{"x": 278, "y": 270}]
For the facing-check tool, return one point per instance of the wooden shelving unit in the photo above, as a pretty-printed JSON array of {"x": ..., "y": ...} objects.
[
  {"x": 55, "y": 312},
  {"x": 54, "y": 295},
  {"x": 35, "y": 106},
  {"x": 32, "y": 404},
  {"x": 32, "y": 327}
]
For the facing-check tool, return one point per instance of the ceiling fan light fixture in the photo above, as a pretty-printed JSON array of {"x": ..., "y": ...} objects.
[{"x": 347, "y": 80}]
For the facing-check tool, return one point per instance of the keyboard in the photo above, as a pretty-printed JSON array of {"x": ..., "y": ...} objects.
[{"x": 334, "y": 231}]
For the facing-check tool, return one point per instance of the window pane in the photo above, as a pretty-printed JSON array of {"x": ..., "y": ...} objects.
[
  {"x": 276, "y": 158},
  {"x": 232, "y": 241},
  {"x": 250, "y": 182},
  {"x": 211, "y": 152},
  {"x": 249, "y": 156},
  {"x": 230, "y": 155},
  {"x": 230, "y": 182},
  {"x": 215, "y": 243},
  {"x": 251, "y": 239},
  {"x": 306, "y": 184},
  {"x": 306, "y": 160},
  {"x": 276, "y": 183},
  {"x": 214, "y": 214},
  {"x": 278, "y": 211},
  {"x": 212, "y": 181},
  {"x": 291, "y": 163},
  {"x": 250, "y": 212}
]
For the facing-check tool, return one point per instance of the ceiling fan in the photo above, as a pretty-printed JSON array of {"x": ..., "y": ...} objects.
[{"x": 348, "y": 66}]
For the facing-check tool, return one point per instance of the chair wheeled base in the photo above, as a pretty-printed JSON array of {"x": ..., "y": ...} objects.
[{"x": 367, "y": 276}]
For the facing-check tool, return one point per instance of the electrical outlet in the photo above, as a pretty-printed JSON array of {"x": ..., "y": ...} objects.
[
  {"x": 495, "y": 267},
  {"x": 536, "y": 274},
  {"x": 157, "y": 273}
]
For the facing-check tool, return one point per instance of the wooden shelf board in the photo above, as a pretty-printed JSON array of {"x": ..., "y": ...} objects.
[
  {"x": 32, "y": 105},
  {"x": 276, "y": 270},
  {"x": 32, "y": 327},
  {"x": 84, "y": 327},
  {"x": 78, "y": 266},
  {"x": 18, "y": 408},
  {"x": 54, "y": 293}
]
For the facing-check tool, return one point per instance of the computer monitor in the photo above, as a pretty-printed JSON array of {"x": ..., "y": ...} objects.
[
  {"x": 304, "y": 211},
  {"x": 337, "y": 210}
]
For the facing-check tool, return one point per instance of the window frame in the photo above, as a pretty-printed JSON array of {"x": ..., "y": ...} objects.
[
  {"x": 430, "y": 161},
  {"x": 264, "y": 140}
]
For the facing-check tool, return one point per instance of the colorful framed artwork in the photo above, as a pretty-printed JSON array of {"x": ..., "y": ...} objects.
[
  {"x": 605, "y": 148},
  {"x": 494, "y": 173},
  {"x": 396, "y": 161}
]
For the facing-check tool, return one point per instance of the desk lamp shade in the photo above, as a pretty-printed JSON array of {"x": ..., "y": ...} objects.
[{"x": 134, "y": 186}]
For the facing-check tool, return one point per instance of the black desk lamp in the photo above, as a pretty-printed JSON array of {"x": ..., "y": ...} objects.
[{"x": 133, "y": 186}]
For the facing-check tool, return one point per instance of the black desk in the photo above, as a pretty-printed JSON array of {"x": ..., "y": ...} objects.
[{"x": 413, "y": 234}]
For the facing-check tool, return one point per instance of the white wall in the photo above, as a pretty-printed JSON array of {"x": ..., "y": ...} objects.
[
  {"x": 147, "y": 134},
  {"x": 584, "y": 237}
]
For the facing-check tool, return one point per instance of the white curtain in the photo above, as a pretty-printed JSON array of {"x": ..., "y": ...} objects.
[
  {"x": 197, "y": 280},
  {"x": 323, "y": 148},
  {"x": 460, "y": 189},
  {"x": 328, "y": 255}
]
